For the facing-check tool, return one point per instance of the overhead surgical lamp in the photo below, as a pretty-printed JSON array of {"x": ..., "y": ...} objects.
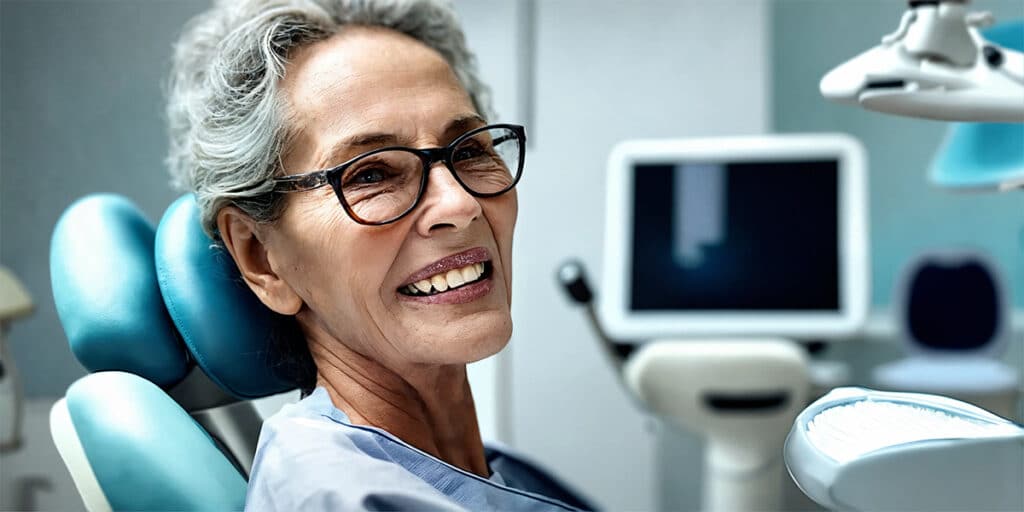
[
  {"x": 936, "y": 65},
  {"x": 984, "y": 156}
]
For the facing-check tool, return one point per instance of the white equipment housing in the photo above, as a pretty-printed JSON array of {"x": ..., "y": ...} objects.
[{"x": 935, "y": 66}]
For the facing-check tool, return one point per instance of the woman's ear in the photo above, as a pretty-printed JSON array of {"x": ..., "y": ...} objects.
[{"x": 242, "y": 239}]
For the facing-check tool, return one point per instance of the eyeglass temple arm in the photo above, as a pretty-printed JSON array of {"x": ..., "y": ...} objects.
[{"x": 300, "y": 182}]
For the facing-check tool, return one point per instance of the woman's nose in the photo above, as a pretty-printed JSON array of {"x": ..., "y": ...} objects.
[{"x": 445, "y": 203}]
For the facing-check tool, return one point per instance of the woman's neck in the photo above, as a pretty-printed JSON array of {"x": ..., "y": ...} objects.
[{"x": 429, "y": 407}]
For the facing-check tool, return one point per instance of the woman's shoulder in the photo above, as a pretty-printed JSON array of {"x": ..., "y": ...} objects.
[
  {"x": 316, "y": 406},
  {"x": 310, "y": 428}
]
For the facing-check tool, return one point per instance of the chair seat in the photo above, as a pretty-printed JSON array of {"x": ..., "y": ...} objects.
[{"x": 948, "y": 374}]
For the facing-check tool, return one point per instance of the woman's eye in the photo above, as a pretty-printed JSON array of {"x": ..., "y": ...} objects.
[
  {"x": 465, "y": 153},
  {"x": 368, "y": 176}
]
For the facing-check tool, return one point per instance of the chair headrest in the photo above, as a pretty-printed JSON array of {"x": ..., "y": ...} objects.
[
  {"x": 225, "y": 327},
  {"x": 152, "y": 302},
  {"x": 106, "y": 292}
]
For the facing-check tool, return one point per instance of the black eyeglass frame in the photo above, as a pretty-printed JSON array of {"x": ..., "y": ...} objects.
[{"x": 429, "y": 156}]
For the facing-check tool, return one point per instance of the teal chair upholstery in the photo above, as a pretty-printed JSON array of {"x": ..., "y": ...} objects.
[
  {"x": 140, "y": 450},
  {"x": 169, "y": 332}
]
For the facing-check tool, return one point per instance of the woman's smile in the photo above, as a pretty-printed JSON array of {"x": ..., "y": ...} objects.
[{"x": 456, "y": 279}]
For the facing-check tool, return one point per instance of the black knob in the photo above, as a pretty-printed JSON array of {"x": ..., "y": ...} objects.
[
  {"x": 993, "y": 55},
  {"x": 573, "y": 278}
]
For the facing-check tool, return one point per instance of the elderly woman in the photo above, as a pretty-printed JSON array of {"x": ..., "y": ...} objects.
[{"x": 341, "y": 152}]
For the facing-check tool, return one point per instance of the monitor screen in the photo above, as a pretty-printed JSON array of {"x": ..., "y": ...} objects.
[
  {"x": 753, "y": 236},
  {"x": 762, "y": 235}
]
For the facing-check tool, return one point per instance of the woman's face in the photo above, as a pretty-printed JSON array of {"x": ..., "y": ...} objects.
[{"x": 357, "y": 91}]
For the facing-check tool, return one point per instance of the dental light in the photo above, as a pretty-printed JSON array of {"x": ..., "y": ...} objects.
[
  {"x": 936, "y": 65},
  {"x": 857, "y": 449}
]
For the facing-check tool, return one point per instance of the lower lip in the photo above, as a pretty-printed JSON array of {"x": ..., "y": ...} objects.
[{"x": 461, "y": 295}]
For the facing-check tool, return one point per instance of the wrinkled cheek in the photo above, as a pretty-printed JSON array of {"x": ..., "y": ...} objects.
[
  {"x": 504, "y": 228},
  {"x": 514, "y": 216}
]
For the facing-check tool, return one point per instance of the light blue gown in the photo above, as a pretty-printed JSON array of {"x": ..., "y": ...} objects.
[{"x": 312, "y": 458}]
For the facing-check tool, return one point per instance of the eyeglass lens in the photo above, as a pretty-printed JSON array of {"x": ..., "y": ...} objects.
[{"x": 382, "y": 186}]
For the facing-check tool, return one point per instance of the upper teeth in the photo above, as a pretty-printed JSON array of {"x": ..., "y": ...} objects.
[{"x": 446, "y": 280}]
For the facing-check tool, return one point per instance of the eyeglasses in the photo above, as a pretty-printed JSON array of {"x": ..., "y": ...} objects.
[{"x": 381, "y": 186}]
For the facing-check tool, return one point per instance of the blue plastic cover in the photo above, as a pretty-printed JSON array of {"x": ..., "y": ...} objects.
[
  {"x": 984, "y": 155},
  {"x": 147, "y": 453},
  {"x": 221, "y": 321},
  {"x": 106, "y": 293}
]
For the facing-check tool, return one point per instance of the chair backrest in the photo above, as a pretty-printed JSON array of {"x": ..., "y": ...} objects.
[
  {"x": 155, "y": 313},
  {"x": 953, "y": 302}
]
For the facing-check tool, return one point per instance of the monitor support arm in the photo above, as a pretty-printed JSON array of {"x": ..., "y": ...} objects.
[
  {"x": 740, "y": 395},
  {"x": 573, "y": 278}
]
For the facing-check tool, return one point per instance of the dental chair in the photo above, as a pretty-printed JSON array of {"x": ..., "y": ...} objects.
[{"x": 177, "y": 346}]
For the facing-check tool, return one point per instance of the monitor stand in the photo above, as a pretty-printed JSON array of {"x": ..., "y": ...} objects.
[{"x": 741, "y": 395}]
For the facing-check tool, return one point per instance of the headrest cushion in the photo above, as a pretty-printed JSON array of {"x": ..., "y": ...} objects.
[
  {"x": 226, "y": 328},
  {"x": 106, "y": 292}
]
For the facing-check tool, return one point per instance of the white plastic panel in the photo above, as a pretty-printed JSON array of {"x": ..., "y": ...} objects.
[{"x": 70, "y": 448}]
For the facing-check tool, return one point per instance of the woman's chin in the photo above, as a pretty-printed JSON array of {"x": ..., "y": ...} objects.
[
  {"x": 488, "y": 349},
  {"x": 464, "y": 342}
]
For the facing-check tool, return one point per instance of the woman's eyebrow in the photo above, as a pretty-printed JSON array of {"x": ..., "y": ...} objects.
[
  {"x": 462, "y": 124},
  {"x": 354, "y": 145},
  {"x": 358, "y": 143}
]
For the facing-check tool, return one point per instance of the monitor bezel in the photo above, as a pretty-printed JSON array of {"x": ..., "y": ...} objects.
[{"x": 623, "y": 323}]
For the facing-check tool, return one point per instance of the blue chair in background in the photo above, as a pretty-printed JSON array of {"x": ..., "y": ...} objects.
[{"x": 954, "y": 316}]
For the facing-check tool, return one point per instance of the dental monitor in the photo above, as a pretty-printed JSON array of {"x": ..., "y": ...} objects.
[{"x": 727, "y": 236}]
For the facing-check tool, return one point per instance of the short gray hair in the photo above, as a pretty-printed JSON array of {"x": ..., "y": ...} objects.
[{"x": 227, "y": 122}]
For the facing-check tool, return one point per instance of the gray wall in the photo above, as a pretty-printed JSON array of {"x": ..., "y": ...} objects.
[{"x": 82, "y": 112}]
